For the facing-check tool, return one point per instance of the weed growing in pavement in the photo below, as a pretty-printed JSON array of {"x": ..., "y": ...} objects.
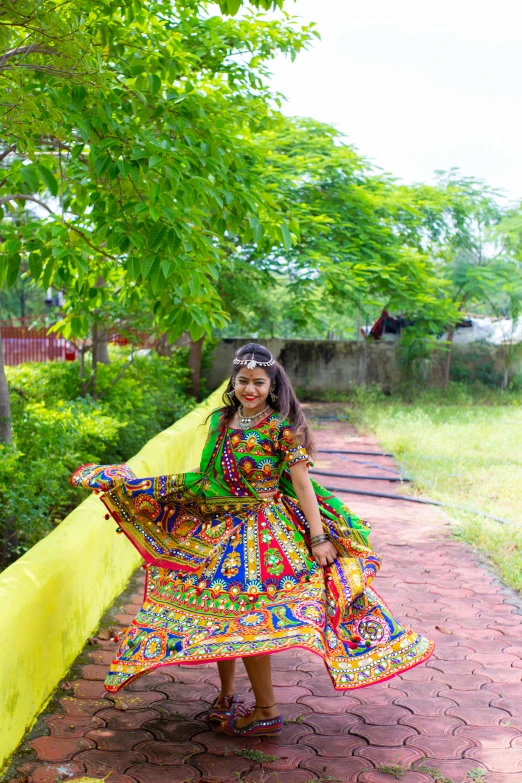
[
  {"x": 435, "y": 774},
  {"x": 397, "y": 770},
  {"x": 264, "y": 776},
  {"x": 291, "y": 721},
  {"x": 255, "y": 755}
]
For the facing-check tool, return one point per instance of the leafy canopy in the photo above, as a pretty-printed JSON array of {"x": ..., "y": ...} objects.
[{"x": 138, "y": 174}]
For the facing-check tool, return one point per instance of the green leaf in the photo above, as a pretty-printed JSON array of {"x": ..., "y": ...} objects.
[
  {"x": 48, "y": 179},
  {"x": 12, "y": 245},
  {"x": 101, "y": 164},
  {"x": 30, "y": 175},
  {"x": 13, "y": 269},
  {"x": 230, "y": 6},
  {"x": 155, "y": 275},
  {"x": 173, "y": 241},
  {"x": 286, "y": 237},
  {"x": 156, "y": 235},
  {"x": 146, "y": 266},
  {"x": 167, "y": 267},
  {"x": 106, "y": 144},
  {"x": 35, "y": 265},
  {"x": 134, "y": 267},
  {"x": 154, "y": 160},
  {"x": 85, "y": 128},
  {"x": 154, "y": 83},
  {"x": 48, "y": 272},
  {"x": 138, "y": 153}
]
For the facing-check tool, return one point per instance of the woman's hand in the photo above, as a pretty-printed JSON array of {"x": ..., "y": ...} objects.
[{"x": 325, "y": 554}]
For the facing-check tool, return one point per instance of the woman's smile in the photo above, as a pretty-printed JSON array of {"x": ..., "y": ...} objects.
[{"x": 251, "y": 388}]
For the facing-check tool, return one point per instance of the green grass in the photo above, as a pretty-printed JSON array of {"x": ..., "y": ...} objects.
[{"x": 465, "y": 453}]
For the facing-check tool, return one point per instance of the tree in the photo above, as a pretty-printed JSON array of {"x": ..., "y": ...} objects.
[
  {"x": 348, "y": 238},
  {"x": 469, "y": 252},
  {"x": 136, "y": 177}
]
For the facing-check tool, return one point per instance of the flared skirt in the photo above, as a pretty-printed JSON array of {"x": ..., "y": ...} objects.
[{"x": 261, "y": 592}]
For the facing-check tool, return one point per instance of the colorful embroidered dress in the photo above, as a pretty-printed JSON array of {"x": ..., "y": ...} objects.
[{"x": 230, "y": 573}]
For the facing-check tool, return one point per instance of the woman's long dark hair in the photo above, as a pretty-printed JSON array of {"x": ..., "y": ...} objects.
[{"x": 286, "y": 404}]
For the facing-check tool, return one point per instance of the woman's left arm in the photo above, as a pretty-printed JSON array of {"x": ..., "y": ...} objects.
[{"x": 324, "y": 554}]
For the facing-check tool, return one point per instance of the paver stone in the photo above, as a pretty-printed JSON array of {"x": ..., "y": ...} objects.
[
  {"x": 149, "y": 773},
  {"x": 59, "y": 748},
  {"x": 116, "y": 739},
  {"x": 99, "y": 762},
  {"x": 443, "y": 747},
  {"x": 335, "y": 746},
  {"x": 384, "y": 736}
]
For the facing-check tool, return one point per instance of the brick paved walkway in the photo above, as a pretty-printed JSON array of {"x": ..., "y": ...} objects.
[{"x": 460, "y": 714}]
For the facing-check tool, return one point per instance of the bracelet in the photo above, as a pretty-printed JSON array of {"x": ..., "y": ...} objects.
[{"x": 320, "y": 539}]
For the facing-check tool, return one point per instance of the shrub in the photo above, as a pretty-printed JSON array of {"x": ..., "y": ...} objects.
[{"x": 55, "y": 431}]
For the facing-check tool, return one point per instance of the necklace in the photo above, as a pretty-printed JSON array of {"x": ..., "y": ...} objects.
[{"x": 246, "y": 422}]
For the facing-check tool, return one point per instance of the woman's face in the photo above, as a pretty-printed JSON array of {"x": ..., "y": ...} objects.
[{"x": 251, "y": 388}]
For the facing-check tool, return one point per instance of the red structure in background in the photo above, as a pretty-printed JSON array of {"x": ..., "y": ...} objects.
[
  {"x": 22, "y": 344},
  {"x": 24, "y": 341}
]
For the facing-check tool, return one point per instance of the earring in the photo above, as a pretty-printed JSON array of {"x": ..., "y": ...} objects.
[
  {"x": 230, "y": 394},
  {"x": 273, "y": 396}
]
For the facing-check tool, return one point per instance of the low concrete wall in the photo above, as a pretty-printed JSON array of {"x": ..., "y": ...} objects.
[
  {"x": 320, "y": 365},
  {"x": 53, "y": 597}
]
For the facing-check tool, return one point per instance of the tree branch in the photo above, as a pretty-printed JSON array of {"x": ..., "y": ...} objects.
[
  {"x": 25, "y": 50},
  {"x": 52, "y": 141},
  {"x": 26, "y": 197},
  {"x": 7, "y": 152},
  {"x": 120, "y": 374}
]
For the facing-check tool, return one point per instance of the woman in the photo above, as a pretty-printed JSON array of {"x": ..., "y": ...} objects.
[{"x": 249, "y": 557}]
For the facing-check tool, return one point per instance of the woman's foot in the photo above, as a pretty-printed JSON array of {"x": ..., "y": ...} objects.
[
  {"x": 257, "y": 714},
  {"x": 222, "y": 708},
  {"x": 262, "y": 721}
]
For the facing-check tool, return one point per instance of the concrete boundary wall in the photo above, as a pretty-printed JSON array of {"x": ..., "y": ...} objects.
[
  {"x": 319, "y": 365},
  {"x": 52, "y": 598},
  {"x": 322, "y": 366}
]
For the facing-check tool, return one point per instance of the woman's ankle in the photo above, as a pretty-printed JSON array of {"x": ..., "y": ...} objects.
[{"x": 267, "y": 712}]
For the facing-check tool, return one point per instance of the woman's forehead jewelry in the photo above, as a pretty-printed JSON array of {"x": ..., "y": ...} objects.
[{"x": 251, "y": 363}]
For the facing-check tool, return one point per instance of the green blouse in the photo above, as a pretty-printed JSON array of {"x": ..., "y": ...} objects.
[{"x": 262, "y": 452}]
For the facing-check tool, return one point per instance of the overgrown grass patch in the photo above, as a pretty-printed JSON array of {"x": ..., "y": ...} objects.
[{"x": 463, "y": 451}]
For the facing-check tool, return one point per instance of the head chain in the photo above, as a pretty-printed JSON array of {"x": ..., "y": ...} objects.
[{"x": 251, "y": 363}]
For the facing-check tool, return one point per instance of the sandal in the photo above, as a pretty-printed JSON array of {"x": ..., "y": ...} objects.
[
  {"x": 269, "y": 727},
  {"x": 217, "y": 714}
]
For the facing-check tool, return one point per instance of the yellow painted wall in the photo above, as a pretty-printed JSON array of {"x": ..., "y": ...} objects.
[{"x": 53, "y": 597}]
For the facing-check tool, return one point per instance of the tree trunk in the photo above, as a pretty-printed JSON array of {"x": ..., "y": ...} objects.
[
  {"x": 5, "y": 403},
  {"x": 447, "y": 364},
  {"x": 163, "y": 347},
  {"x": 101, "y": 346},
  {"x": 194, "y": 363},
  {"x": 81, "y": 357},
  {"x": 8, "y": 542},
  {"x": 94, "y": 370}
]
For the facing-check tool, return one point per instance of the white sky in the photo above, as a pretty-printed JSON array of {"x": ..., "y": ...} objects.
[{"x": 415, "y": 85}]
